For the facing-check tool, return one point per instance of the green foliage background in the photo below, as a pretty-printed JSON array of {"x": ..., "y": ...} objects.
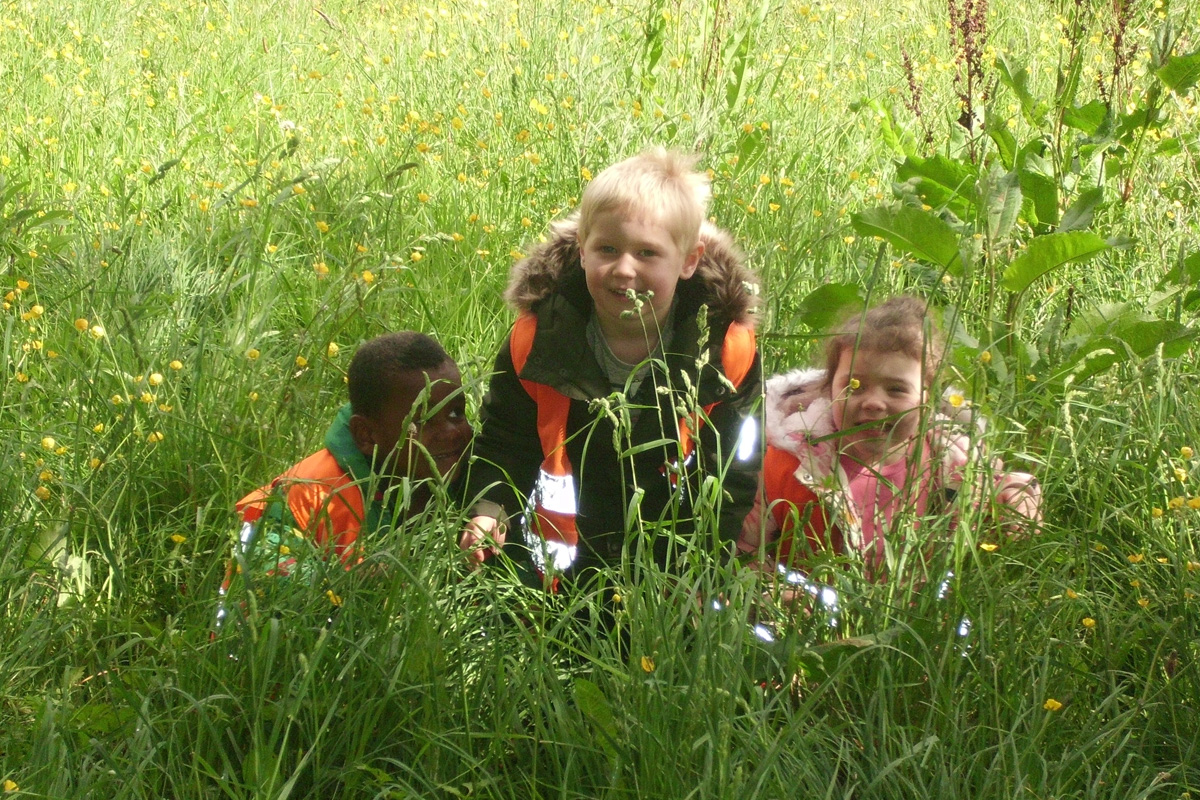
[{"x": 205, "y": 207}]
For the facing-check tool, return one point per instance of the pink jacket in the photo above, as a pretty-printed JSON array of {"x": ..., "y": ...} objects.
[{"x": 799, "y": 423}]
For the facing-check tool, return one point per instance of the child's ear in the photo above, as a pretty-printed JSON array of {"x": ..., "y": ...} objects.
[
  {"x": 362, "y": 430},
  {"x": 691, "y": 261}
]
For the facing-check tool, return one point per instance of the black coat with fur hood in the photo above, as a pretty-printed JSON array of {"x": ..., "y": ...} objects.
[{"x": 507, "y": 453}]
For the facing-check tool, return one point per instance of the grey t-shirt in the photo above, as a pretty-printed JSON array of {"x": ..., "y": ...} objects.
[{"x": 618, "y": 371}]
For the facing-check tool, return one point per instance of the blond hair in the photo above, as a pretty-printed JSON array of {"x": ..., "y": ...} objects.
[
  {"x": 900, "y": 325},
  {"x": 659, "y": 182}
]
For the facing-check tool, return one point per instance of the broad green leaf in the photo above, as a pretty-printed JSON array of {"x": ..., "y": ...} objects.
[
  {"x": 826, "y": 304},
  {"x": 1087, "y": 118},
  {"x": 1181, "y": 73},
  {"x": 1079, "y": 216},
  {"x": 1174, "y": 145},
  {"x": 1001, "y": 136},
  {"x": 1047, "y": 253},
  {"x": 595, "y": 707},
  {"x": 940, "y": 179},
  {"x": 1186, "y": 272},
  {"x": 918, "y": 233},
  {"x": 735, "y": 69},
  {"x": 1038, "y": 183},
  {"x": 1017, "y": 79},
  {"x": 1002, "y": 199}
]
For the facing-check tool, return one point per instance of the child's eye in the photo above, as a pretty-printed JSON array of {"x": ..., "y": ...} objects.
[
  {"x": 607, "y": 248},
  {"x": 647, "y": 253}
]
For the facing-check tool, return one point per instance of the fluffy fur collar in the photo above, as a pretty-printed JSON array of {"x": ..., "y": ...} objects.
[
  {"x": 729, "y": 287},
  {"x": 799, "y": 412}
]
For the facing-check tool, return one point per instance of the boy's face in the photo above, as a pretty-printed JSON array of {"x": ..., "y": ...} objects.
[
  {"x": 633, "y": 250},
  {"x": 884, "y": 392},
  {"x": 418, "y": 442}
]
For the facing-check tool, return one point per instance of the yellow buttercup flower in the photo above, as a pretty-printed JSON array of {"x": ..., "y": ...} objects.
[
  {"x": 647, "y": 664},
  {"x": 178, "y": 538},
  {"x": 1089, "y": 623},
  {"x": 1051, "y": 704},
  {"x": 331, "y": 350},
  {"x": 155, "y": 378},
  {"x": 1186, "y": 452},
  {"x": 176, "y": 365},
  {"x": 301, "y": 361},
  {"x": 81, "y": 324},
  {"x": 252, "y": 353}
]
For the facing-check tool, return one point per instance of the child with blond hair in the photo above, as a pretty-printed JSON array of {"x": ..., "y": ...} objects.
[
  {"x": 857, "y": 454},
  {"x": 630, "y": 375}
]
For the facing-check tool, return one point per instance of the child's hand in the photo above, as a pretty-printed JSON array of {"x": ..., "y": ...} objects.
[
  {"x": 482, "y": 538},
  {"x": 1020, "y": 492}
]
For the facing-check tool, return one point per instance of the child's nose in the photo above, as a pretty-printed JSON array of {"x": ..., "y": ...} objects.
[
  {"x": 625, "y": 265},
  {"x": 873, "y": 399}
]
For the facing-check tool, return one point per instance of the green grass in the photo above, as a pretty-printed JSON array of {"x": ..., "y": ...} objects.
[{"x": 225, "y": 179}]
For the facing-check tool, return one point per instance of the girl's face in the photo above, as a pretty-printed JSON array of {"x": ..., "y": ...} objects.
[{"x": 883, "y": 393}]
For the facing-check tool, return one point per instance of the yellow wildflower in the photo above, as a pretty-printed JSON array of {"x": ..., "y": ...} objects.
[
  {"x": 1089, "y": 623},
  {"x": 647, "y": 664},
  {"x": 1072, "y": 594},
  {"x": 955, "y": 400},
  {"x": 155, "y": 378},
  {"x": 42, "y": 493},
  {"x": 322, "y": 226},
  {"x": 331, "y": 350},
  {"x": 368, "y": 277},
  {"x": 1051, "y": 704},
  {"x": 98, "y": 332},
  {"x": 1135, "y": 558},
  {"x": 988, "y": 547},
  {"x": 301, "y": 361},
  {"x": 81, "y": 324},
  {"x": 253, "y": 353},
  {"x": 1186, "y": 451},
  {"x": 178, "y": 538},
  {"x": 48, "y": 443}
]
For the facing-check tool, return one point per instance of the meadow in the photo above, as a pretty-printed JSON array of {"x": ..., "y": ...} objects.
[{"x": 205, "y": 206}]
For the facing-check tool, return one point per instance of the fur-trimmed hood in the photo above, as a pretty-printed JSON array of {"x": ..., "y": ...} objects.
[
  {"x": 798, "y": 413},
  {"x": 722, "y": 278}
]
